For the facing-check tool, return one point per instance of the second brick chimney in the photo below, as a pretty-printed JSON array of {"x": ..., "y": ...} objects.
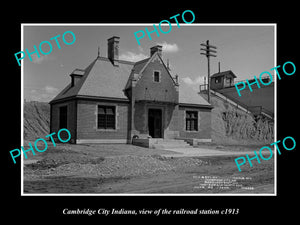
[
  {"x": 157, "y": 48},
  {"x": 113, "y": 50}
]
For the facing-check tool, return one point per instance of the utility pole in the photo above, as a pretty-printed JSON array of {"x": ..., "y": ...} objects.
[{"x": 207, "y": 52}]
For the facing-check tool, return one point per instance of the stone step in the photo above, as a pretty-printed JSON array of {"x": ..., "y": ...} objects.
[
  {"x": 164, "y": 146},
  {"x": 170, "y": 143},
  {"x": 160, "y": 141}
]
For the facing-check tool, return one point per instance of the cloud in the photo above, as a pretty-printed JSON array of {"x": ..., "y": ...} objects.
[
  {"x": 187, "y": 80},
  {"x": 44, "y": 94},
  {"x": 132, "y": 57},
  {"x": 196, "y": 81},
  {"x": 42, "y": 58},
  {"x": 140, "y": 48},
  {"x": 169, "y": 48},
  {"x": 50, "y": 90},
  {"x": 193, "y": 83}
]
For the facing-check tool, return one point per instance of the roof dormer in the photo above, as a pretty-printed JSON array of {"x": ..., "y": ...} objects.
[{"x": 76, "y": 75}]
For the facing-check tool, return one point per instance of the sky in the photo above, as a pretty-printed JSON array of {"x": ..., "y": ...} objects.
[{"x": 247, "y": 50}]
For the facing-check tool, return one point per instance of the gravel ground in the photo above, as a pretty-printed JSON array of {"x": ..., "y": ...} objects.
[
  {"x": 63, "y": 161},
  {"x": 85, "y": 169},
  {"x": 119, "y": 166}
]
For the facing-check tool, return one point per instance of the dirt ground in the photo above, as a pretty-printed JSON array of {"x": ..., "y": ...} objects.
[{"x": 103, "y": 169}]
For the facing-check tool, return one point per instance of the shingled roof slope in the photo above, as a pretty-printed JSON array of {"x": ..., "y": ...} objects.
[
  {"x": 70, "y": 91},
  {"x": 188, "y": 95},
  {"x": 102, "y": 79},
  {"x": 106, "y": 80}
]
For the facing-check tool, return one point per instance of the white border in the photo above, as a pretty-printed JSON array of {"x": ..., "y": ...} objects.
[
  {"x": 275, "y": 110},
  {"x": 151, "y": 24},
  {"x": 22, "y": 111}
]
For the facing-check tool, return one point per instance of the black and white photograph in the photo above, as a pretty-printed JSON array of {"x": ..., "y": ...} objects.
[
  {"x": 138, "y": 112},
  {"x": 175, "y": 115}
]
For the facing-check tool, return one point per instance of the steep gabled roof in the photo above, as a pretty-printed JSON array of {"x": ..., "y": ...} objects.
[
  {"x": 153, "y": 57},
  {"x": 106, "y": 80},
  {"x": 140, "y": 66},
  {"x": 70, "y": 91},
  {"x": 101, "y": 79}
]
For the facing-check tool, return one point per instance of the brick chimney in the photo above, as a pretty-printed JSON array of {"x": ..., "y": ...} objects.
[
  {"x": 157, "y": 48},
  {"x": 113, "y": 50}
]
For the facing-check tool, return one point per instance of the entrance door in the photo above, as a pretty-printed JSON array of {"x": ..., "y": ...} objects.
[{"x": 155, "y": 123}]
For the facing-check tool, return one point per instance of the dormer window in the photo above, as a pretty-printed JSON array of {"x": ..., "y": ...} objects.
[
  {"x": 156, "y": 76},
  {"x": 76, "y": 75}
]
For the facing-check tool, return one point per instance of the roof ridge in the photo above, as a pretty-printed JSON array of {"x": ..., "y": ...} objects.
[
  {"x": 222, "y": 73},
  {"x": 119, "y": 60}
]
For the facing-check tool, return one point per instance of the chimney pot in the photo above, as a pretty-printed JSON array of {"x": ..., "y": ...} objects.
[{"x": 157, "y": 48}]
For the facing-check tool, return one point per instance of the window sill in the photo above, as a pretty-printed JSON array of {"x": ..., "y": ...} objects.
[
  {"x": 192, "y": 131},
  {"x": 106, "y": 130}
]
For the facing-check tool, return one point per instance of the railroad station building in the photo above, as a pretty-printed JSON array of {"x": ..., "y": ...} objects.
[{"x": 117, "y": 101}]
